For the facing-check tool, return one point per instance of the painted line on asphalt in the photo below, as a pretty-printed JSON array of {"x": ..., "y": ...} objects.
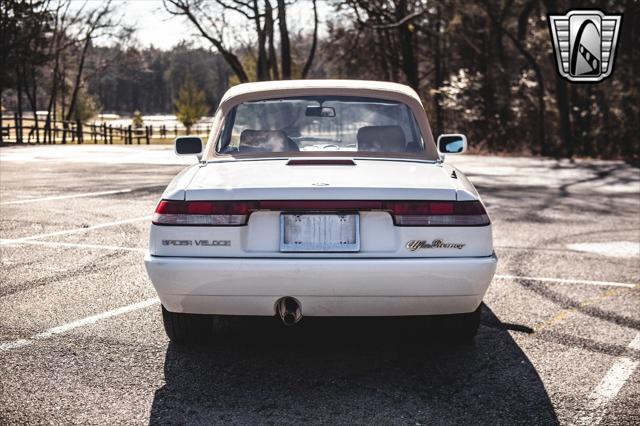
[
  {"x": 65, "y": 197},
  {"x": 565, "y": 281},
  {"x": 565, "y": 313},
  {"x": 621, "y": 370},
  {"x": 73, "y": 245},
  {"x": 73, "y": 231},
  {"x": 13, "y": 344}
]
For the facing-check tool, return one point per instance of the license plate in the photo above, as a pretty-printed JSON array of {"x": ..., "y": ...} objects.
[{"x": 319, "y": 232}]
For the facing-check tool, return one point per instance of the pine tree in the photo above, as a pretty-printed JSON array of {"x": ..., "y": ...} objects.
[
  {"x": 191, "y": 103},
  {"x": 137, "y": 121}
]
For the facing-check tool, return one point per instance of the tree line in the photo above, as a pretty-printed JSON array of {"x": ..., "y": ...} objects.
[{"x": 482, "y": 67}]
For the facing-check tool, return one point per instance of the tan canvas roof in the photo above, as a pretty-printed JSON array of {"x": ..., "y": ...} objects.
[{"x": 268, "y": 88}]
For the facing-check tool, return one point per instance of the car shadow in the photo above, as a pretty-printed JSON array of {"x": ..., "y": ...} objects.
[{"x": 350, "y": 371}]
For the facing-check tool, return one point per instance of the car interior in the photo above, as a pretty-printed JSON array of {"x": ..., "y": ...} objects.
[{"x": 369, "y": 139}]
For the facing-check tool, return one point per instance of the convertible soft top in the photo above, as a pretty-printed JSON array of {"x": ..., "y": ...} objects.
[{"x": 267, "y": 89}]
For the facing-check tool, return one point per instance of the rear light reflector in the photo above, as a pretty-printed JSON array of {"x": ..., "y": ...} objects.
[{"x": 404, "y": 213}]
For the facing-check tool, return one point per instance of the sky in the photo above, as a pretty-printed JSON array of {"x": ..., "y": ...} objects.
[{"x": 156, "y": 27}]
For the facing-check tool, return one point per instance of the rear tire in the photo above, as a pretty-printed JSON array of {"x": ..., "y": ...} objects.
[
  {"x": 458, "y": 328},
  {"x": 187, "y": 328}
]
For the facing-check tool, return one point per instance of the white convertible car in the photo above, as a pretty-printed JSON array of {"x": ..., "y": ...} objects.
[{"x": 320, "y": 198}]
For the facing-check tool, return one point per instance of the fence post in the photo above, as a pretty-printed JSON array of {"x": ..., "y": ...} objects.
[
  {"x": 110, "y": 134},
  {"x": 176, "y": 130},
  {"x": 49, "y": 129},
  {"x": 147, "y": 131},
  {"x": 36, "y": 128},
  {"x": 45, "y": 128},
  {"x": 16, "y": 119},
  {"x": 79, "y": 131},
  {"x": 130, "y": 135}
]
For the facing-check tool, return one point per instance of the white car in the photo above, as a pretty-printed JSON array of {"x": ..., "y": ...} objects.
[{"x": 320, "y": 198}]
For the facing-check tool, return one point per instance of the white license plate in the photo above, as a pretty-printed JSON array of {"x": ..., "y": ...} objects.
[{"x": 319, "y": 232}]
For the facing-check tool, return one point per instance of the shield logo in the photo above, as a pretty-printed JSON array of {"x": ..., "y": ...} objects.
[{"x": 585, "y": 44}]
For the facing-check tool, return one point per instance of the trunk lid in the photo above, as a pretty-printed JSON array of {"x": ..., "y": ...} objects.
[{"x": 366, "y": 179}]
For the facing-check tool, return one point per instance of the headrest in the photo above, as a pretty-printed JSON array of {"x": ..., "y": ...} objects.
[
  {"x": 381, "y": 139},
  {"x": 263, "y": 140}
]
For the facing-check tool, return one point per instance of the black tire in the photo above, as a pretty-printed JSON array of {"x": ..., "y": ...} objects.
[
  {"x": 458, "y": 328},
  {"x": 187, "y": 328}
]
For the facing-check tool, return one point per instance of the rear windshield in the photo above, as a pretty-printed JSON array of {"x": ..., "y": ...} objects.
[{"x": 320, "y": 124}]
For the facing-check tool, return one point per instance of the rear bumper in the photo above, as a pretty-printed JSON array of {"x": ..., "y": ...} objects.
[{"x": 324, "y": 287}]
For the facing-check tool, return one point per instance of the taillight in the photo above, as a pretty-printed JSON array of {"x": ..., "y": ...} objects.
[
  {"x": 404, "y": 213},
  {"x": 212, "y": 213},
  {"x": 437, "y": 213}
]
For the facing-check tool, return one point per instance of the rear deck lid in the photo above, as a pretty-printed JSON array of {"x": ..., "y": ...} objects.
[{"x": 358, "y": 179}]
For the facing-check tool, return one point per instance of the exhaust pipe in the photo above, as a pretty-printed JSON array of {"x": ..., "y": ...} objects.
[{"x": 289, "y": 310}]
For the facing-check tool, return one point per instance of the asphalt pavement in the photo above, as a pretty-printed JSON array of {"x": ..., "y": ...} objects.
[{"x": 81, "y": 337}]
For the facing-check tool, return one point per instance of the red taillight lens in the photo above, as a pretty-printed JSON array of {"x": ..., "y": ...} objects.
[
  {"x": 437, "y": 213},
  {"x": 404, "y": 213},
  {"x": 212, "y": 213}
]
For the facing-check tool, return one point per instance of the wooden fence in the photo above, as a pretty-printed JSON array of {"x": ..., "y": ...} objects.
[{"x": 29, "y": 130}]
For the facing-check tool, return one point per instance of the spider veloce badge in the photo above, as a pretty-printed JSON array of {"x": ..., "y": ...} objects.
[{"x": 585, "y": 44}]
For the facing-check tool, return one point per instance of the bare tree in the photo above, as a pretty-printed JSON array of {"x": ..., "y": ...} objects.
[
  {"x": 285, "y": 47},
  {"x": 98, "y": 22},
  {"x": 562, "y": 97},
  {"x": 314, "y": 42},
  {"x": 518, "y": 42},
  {"x": 259, "y": 14},
  {"x": 193, "y": 11},
  {"x": 384, "y": 16}
]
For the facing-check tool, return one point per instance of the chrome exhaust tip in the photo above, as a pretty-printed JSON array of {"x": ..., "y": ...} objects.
[{"x": 289, "y": 310}]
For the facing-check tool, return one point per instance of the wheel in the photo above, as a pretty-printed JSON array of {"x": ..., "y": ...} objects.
[
  {"x": 187, "y": 328},
  {"x": 459, "y": 328}
]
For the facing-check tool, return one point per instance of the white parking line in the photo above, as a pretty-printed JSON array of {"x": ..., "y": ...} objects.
[
  {"x": 565, "y": 281},
  {"x": 621, "y": 370},
  {"x": 64, "y": 197},
  {"x": 13, "y": 344},
  {"x": 73, "y": 231},
  {"x": 73, "y": 245}
]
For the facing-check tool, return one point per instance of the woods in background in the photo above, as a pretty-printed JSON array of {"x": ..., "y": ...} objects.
[
  {"x": 486, "y": 68},
  {"x": 482, "y": 67}
]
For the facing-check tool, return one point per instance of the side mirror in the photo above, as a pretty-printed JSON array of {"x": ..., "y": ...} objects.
[
  {"x": 453, "y": 143},
  {"x": 188, "y": 145}
]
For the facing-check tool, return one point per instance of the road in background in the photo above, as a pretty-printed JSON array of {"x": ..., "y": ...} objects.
[{"x": 81, "y": 339}]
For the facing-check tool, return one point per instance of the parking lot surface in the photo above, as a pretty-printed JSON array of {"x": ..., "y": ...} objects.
[{"x": 81, "y": 337}]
